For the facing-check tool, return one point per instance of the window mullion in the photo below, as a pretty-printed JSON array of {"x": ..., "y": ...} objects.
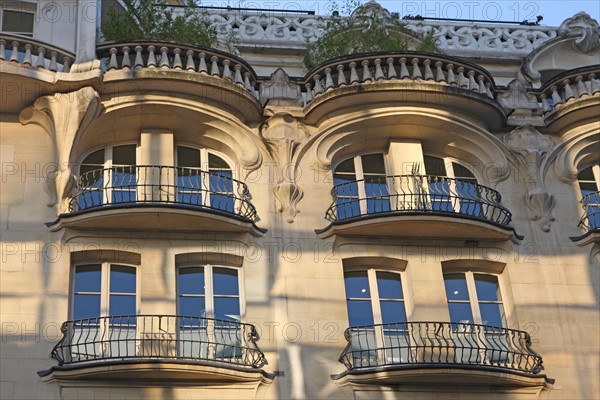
[
  {"x": 362, "y": 192},
  {"x": 473, "y": 297},
  {"x": 596, "y": 173},
  {"x": 107, "y": 176}
]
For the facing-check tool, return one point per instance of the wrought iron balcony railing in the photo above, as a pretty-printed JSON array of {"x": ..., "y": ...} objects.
[
  {"x": 591, "y": 211},
  {"x": 416, "y": 194},
  {"x": 152, "y": 184},
  {"x": 158, "y": 337},
  {"x": 420, "y": 344}
]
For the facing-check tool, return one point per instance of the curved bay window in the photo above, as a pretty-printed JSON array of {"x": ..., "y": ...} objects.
[{"x": 589, "y": 184}]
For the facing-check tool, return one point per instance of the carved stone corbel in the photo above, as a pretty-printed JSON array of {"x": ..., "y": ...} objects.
[
  {"x": 585, "y": 27},
  {"x": 530, "y": 149},
  {"x": 518, "y": 101},
  {"x": 62, "y": 115},
  {"x": 283, "y": 134}
]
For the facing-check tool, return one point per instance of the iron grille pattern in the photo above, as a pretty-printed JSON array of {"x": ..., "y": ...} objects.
[
  {"x": 591, "y": 211},
  {"x": 416, "y": 194},
  {"x": 439, "y": 343},
  {"x": 158, "y": 337},
  {"x": 152, "y": 184}
]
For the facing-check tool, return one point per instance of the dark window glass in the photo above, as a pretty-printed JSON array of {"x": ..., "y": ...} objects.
[
  {"x": 122, "y": 279},
  {"x": 357, "y": 285},
  {"x": 434, "y": 166},
  {"x": 392, "y": 311},
  {"x": 360, "y": 312},
  {"x": 225, "y": 281},
  {"x": 122, "y": 305},
  {"x": 192, "y": 306},
  {"x": 124, "y": 155},
  {"x": 88, "y": 278},
  {"x": 460, "y": 312},
  {"x": 17, "y": 22},
  {"x": 191, "y": 280},
  {"x": 487, "y": 288},
  {"x": 586, "y": 175},
  {"x": 373, "y": 164},
  {"x": 86, "y": 306},
  {"x": 456, "y": 287},
  {"x": 389, "y": 285},
  {"x": 227, "y": 308},
  {"x": 188, "y": 157}
]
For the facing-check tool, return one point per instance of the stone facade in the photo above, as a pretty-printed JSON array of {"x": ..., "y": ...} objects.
[{"x": 133, "y": 171}]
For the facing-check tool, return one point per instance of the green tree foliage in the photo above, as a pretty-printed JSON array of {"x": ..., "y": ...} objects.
[{"x": 154, "y": 19}]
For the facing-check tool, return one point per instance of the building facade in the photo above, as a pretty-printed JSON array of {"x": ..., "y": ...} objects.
[{"x": 187, "y": 223}]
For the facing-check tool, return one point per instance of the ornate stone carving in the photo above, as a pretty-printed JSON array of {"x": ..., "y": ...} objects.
[
  {"x": 280, "y": 91},
  {"x": 584, "y": 26},
  {"x": 530, "y": 148},
  {"x": 517, "y": 99},
  {"x": 283, "y": 134},
  {"x": 62, "y": 116}
]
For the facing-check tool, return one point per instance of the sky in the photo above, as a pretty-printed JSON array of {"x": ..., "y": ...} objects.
[{"x": 553, "y": 11}]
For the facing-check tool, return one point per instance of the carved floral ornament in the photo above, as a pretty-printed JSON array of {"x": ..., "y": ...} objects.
[{"x": 585, "y": 28}]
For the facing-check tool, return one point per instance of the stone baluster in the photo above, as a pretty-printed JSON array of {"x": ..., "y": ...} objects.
[
  {"x": 126, "y": 63},
  {"x": 379, "y": 76},
  {"x": 41, "y": 59},
  {"x": 177, "y": 64},
  {"x": 227, "y": 70},
  {"x": 112, "y": 63},
  {"x": 366, "y": 71},
  {"x": 439, "y": 72},
  {"x": 594, "y": 84},
  {"x": 2, "y": 49},
  {"x": 14, "y": 55},
  {"x": 328, "y": 79},
  {"x": 428, "y": 73},
  {"x": 66, "y": 64},
  {"x": 27, "y": 58},
  {"x": 472, "y": 84},
  {"x": 202, "y": 67},
  {"x": 416, "y": 72},
  {"x": 247, "y": 84},
  {"x": 309, "y": 92},
  {"x": 214, "y": 68},
  {"x": 164, "y": 57},
  {"x": 488, "y": 90},
  {"x": 353, "y": 73},
  {"x": 318, "y": 87},
  {"x": 451, "y": 77},
  {"x": 341, "y": 75},
  {"x": 462, "y": 81},
  {"x": 139, "y": 60},
  {"x": 238, "y": 74},
  {"x": 391, "y": 70},
  {"x": 581, "y": 89},
  {"x": 556, "y": 99},
  {"x": 190, "y": 64},
  {"x": 151, "y": 57},
  {"x": 403, "y": 69},
  {"x": 569, "y": 94},
  {"x": 481, "y": 85},
  {"x": 53, "y": 65},
  {"x": 545, "y": 106}
]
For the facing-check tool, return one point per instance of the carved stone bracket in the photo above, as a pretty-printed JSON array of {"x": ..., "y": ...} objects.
[
  {"x": 530, "y": 149},
  {"x": 517, "y": 100},
  {"x": 584, "y": 26},
  {"x": 283, "y": 134},
  {"x": 279, "y": 91},
  {"x": 62, "y": 115}
]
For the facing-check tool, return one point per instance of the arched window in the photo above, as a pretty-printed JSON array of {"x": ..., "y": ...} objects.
[{"x": 589, "y": 184}]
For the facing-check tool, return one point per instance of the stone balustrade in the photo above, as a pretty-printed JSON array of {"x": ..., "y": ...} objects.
[
  {"x": 170, "y": 56},
  {"x": 393, "y": 66},
  {"x": 570, "y": 86},
  {"x": 33, "y": 53}
]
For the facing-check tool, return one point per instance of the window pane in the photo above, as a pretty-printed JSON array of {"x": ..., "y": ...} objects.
[
  {"x": 227, "y": 308},
  {"x": 346, "y": 166},
  {"x": 461, "y": 172},
  {"x": 487, "y": 288},
  {"x": 586, "y": 175},
  {"x": 216, "y": 162},
  {"x": 86, "y": 306},
  {"x": 191, "y": 280},
  {"x": 456, "y": 287},
  {"x": 16, "y": 21},
  {"x": 88, "y": 278},
  {"x": 388, "y": 285},
  {"x": 122, "y": 279},
  {"x": 122, "y": 305},
  {"x": 188, "y": 157},
  {"x": 359, "y": 312},
  {"x": 460, "y": 312},
  {"x": 357, "y": 285},
  {"x": 225, "y": 281},
  {"x": 434, "y": 166},
  {"x": 492, "y": 314},
  {"x": 192, "y": 306},
  {"x": 124, "y": 155},
  {"x": 587, "y": 187},
  {"x": 373, "y": 164},
  {"x": 96, "y": 158},
  {"x": 392, "y": 311}
]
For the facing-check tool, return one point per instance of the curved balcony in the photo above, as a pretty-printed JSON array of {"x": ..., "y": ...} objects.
[
  {"x": 571, "y": 97},
  {"x": 430, "y": 351},
  {"x": 151, "y": 197},
  {"x": 590, "y": 221},
  {"x": 214, "y": 75},
  {"x": 418, "y": 206},
  {"x": 139, "y": 346},
  {"x": 402, "y": 78}
]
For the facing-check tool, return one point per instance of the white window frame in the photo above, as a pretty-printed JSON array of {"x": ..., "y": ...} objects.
[
  {"x": 596, "y": 172},
  {"x": 14, "y": 6}
]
